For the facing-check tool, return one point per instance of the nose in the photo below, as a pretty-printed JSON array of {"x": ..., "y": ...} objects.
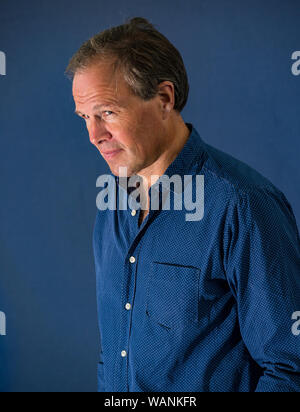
[{"x": 97, "y": 131}]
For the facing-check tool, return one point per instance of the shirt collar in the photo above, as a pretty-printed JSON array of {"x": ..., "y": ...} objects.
[{"x": 192, "y": 150}]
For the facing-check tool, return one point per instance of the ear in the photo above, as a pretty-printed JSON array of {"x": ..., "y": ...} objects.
[{"x": 166, "y": 93}]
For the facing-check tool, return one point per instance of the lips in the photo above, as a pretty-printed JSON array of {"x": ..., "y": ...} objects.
[{"x": 111, "y": 153}]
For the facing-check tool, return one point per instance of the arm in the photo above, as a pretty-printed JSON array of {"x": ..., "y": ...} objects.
[{"x": 262, "y": 258}]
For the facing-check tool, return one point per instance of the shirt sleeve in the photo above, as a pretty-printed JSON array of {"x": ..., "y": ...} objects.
[
  {"x": 100, "y": 365},
  {"x": 101, "y": 381},
  {"x": 262, "y": 258}
]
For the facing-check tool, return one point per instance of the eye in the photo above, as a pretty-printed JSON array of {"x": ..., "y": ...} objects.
[{"x": 108, "y": 112}]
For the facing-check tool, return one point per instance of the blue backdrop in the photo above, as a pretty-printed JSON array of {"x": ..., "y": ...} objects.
[{"x": 244, "y": 100}]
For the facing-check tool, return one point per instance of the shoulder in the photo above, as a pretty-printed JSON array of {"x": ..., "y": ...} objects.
[
  {"x": 234, "y": 173},
  {"x": 245, "y": 189}
]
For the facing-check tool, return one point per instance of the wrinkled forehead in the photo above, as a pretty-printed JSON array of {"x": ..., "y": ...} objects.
[{"x": 100, "y": 77}]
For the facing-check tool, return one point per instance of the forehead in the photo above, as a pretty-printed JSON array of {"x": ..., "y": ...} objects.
[{"x": 101, "y": 79}]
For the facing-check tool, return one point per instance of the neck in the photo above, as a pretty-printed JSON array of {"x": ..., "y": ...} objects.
[{"x": 178, "y": 135}]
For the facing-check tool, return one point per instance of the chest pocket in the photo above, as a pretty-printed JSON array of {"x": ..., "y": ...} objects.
[{"x": 172, "y": 296}]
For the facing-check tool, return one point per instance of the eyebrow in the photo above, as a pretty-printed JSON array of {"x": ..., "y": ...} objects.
[{"x": 98, "y": 106}]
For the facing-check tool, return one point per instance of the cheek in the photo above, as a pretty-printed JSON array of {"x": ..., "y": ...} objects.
[
  {"x": 126, "y": 135},
  {"x": 123, "y": 137},
  {"x": 137, "y": 135}
]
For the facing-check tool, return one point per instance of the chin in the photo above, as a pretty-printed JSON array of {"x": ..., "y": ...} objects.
[{"x": 115, "y": 171}]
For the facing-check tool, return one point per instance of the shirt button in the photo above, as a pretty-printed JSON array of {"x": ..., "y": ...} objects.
[
  {"x": 133, "y": 213},
  {"x": 127, "y": 306},
  {"x": 132, "y": 259},
  {"x": 123, "y": 353}
]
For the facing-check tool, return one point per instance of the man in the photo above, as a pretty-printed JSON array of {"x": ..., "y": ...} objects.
[{"x": 201, "y": 305}]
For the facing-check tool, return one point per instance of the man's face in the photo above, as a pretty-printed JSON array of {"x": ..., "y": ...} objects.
[{"x": 116, "y": 119}]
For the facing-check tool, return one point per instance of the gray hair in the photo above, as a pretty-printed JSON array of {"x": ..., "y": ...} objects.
[{"x": 143, "y": 55}]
